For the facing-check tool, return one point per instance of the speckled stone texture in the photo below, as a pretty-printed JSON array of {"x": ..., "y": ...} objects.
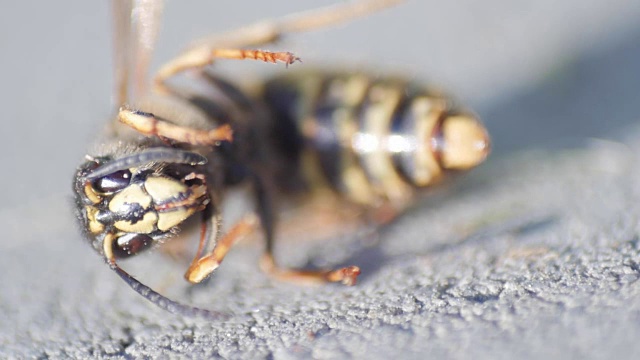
[{"x": 534, "y": 255}]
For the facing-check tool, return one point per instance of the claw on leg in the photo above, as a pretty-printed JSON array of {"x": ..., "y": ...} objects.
[
  {"x": 203, "y": 56},
  {"x": 347, "y": 275},
  {"x": 201, "y": 268},
  {"x": 232, "y": 44}
]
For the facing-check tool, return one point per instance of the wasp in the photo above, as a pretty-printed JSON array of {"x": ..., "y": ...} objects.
[{"x": 172, "y": 153}]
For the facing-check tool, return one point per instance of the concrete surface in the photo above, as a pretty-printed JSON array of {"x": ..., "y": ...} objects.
[{"x": 535, "y": 255}]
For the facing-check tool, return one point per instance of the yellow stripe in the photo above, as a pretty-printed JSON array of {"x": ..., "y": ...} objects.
[
  {"x": 354, "y": 178},
  {"x": 377, "y": 159},
  {"x": 426, "y": 111}
]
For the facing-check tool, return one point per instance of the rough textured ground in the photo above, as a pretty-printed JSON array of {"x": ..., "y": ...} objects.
[{"x": 535, "y": 255}]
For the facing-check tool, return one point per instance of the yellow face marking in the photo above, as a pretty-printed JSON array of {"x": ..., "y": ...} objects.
[
  {"x": 107, "y": 247},
  {"x": 163, "y": 189},
  {"x": 88, "y": 190},
  {"x": 95, "y": 226},
  {"x": 130, "y": 195},
  {"x": 144, "y": 226},
  {"x": 169, "y": 219}
]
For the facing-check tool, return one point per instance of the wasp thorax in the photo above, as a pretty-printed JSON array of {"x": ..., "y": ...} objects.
[{"x": 464, "y": 142}]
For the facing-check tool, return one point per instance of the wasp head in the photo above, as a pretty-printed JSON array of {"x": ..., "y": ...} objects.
[{"x": 138, "y": 199}]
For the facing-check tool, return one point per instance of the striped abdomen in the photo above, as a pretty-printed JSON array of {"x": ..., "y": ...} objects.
[{"x": 372, "y": 139}]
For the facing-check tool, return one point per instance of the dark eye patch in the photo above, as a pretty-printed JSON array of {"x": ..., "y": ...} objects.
[{"x": 113, "y": 182}]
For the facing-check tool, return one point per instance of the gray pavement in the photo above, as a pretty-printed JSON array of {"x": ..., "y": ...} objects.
[{"x": 534, "y": 255}]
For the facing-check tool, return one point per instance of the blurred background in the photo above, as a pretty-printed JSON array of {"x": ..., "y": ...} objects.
[{"x": 541, "y": 74}]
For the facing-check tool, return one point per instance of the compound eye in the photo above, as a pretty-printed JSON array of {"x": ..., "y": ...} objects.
[
  {"x": 131, "y": 244},
  {"x": 113, "y": 182}
]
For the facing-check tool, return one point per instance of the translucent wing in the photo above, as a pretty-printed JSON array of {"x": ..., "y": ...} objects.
[
  {"x": 121, "y": 56},
  {"x": 135, "y": 29},
  {"x": 268, "y": 31}
]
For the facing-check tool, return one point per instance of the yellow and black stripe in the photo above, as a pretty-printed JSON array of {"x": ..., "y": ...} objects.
[{"x": 371, "y": 139}]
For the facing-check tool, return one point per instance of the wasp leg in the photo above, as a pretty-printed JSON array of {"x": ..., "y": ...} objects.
[
  {"x": 271, "y": 30},
  {"x": 202, "y": 56},
  {"x": 201, "y": 268},
  {"x": 180, "y": 249},
  {"x": 226, "y": 45},
  {"x": 206, "y": 233},
  {"x": 148, "y": 124},
  {"x": 346, "y": 275}
]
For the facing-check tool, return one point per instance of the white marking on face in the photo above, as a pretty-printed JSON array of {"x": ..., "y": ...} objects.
[
  {"x": 169, "y": 219},
  {"x": 95, "y": 226},
  {"x": 130, "y": 195},
  {"x": 163, "y": 189}
]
